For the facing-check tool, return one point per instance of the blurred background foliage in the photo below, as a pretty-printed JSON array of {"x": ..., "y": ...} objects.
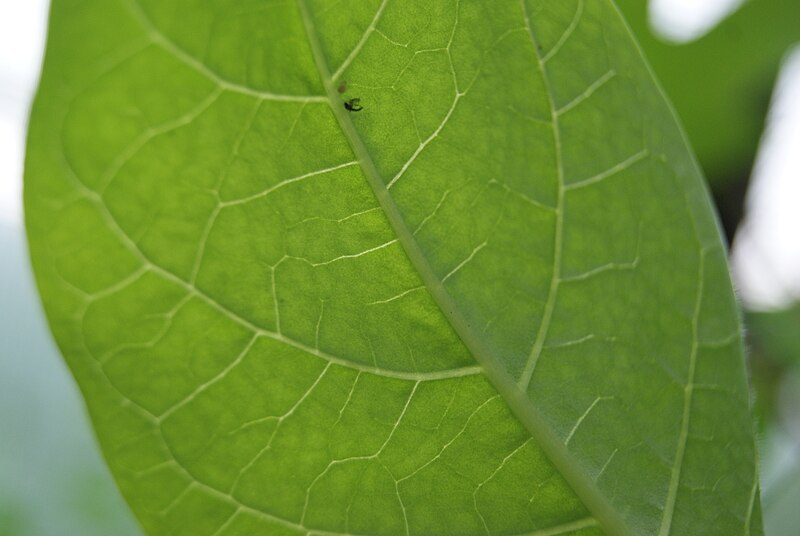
[{"x": 53, "y": 482}]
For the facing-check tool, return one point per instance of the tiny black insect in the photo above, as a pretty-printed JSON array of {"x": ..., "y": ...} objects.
[{"x": 353, "y": 105}]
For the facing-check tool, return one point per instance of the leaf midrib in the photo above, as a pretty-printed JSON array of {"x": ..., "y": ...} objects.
[{"x": 518, "y": 402}]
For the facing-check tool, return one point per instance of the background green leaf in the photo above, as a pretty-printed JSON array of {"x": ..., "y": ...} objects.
[
  {"x": 775, "y": 362},
  {"x": 494, "y": 301}
]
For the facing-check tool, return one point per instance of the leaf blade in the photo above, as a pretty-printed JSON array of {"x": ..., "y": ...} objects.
[{"x": 303, "y": 317}]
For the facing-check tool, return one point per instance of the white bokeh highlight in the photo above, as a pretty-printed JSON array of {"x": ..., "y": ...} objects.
[
  {"x": 766, "y": 252},
  {"x": 685, "y": 20},
  {"x": 22, "y": 33}
]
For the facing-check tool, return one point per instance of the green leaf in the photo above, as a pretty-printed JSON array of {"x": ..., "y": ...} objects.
[
  {"x": 721, "y": 83},
  {"x": 775, "y": 336},
  {"x": 774, "y": 361},
  {"x": 493, "y": 301}
]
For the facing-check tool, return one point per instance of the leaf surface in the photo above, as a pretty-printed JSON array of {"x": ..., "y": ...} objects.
[{"x": 493, "y": 301}]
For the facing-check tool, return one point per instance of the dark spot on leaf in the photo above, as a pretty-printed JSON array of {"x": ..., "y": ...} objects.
[
  {"x": 353, "y": 105},
  {"x": 342, "y": 87}
]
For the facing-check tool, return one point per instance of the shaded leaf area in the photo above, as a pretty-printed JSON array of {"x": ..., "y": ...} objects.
[{"x": 493, "y": 301}]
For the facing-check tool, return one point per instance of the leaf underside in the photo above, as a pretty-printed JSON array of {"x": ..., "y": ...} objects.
[{"x": 493, "y": 301}]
